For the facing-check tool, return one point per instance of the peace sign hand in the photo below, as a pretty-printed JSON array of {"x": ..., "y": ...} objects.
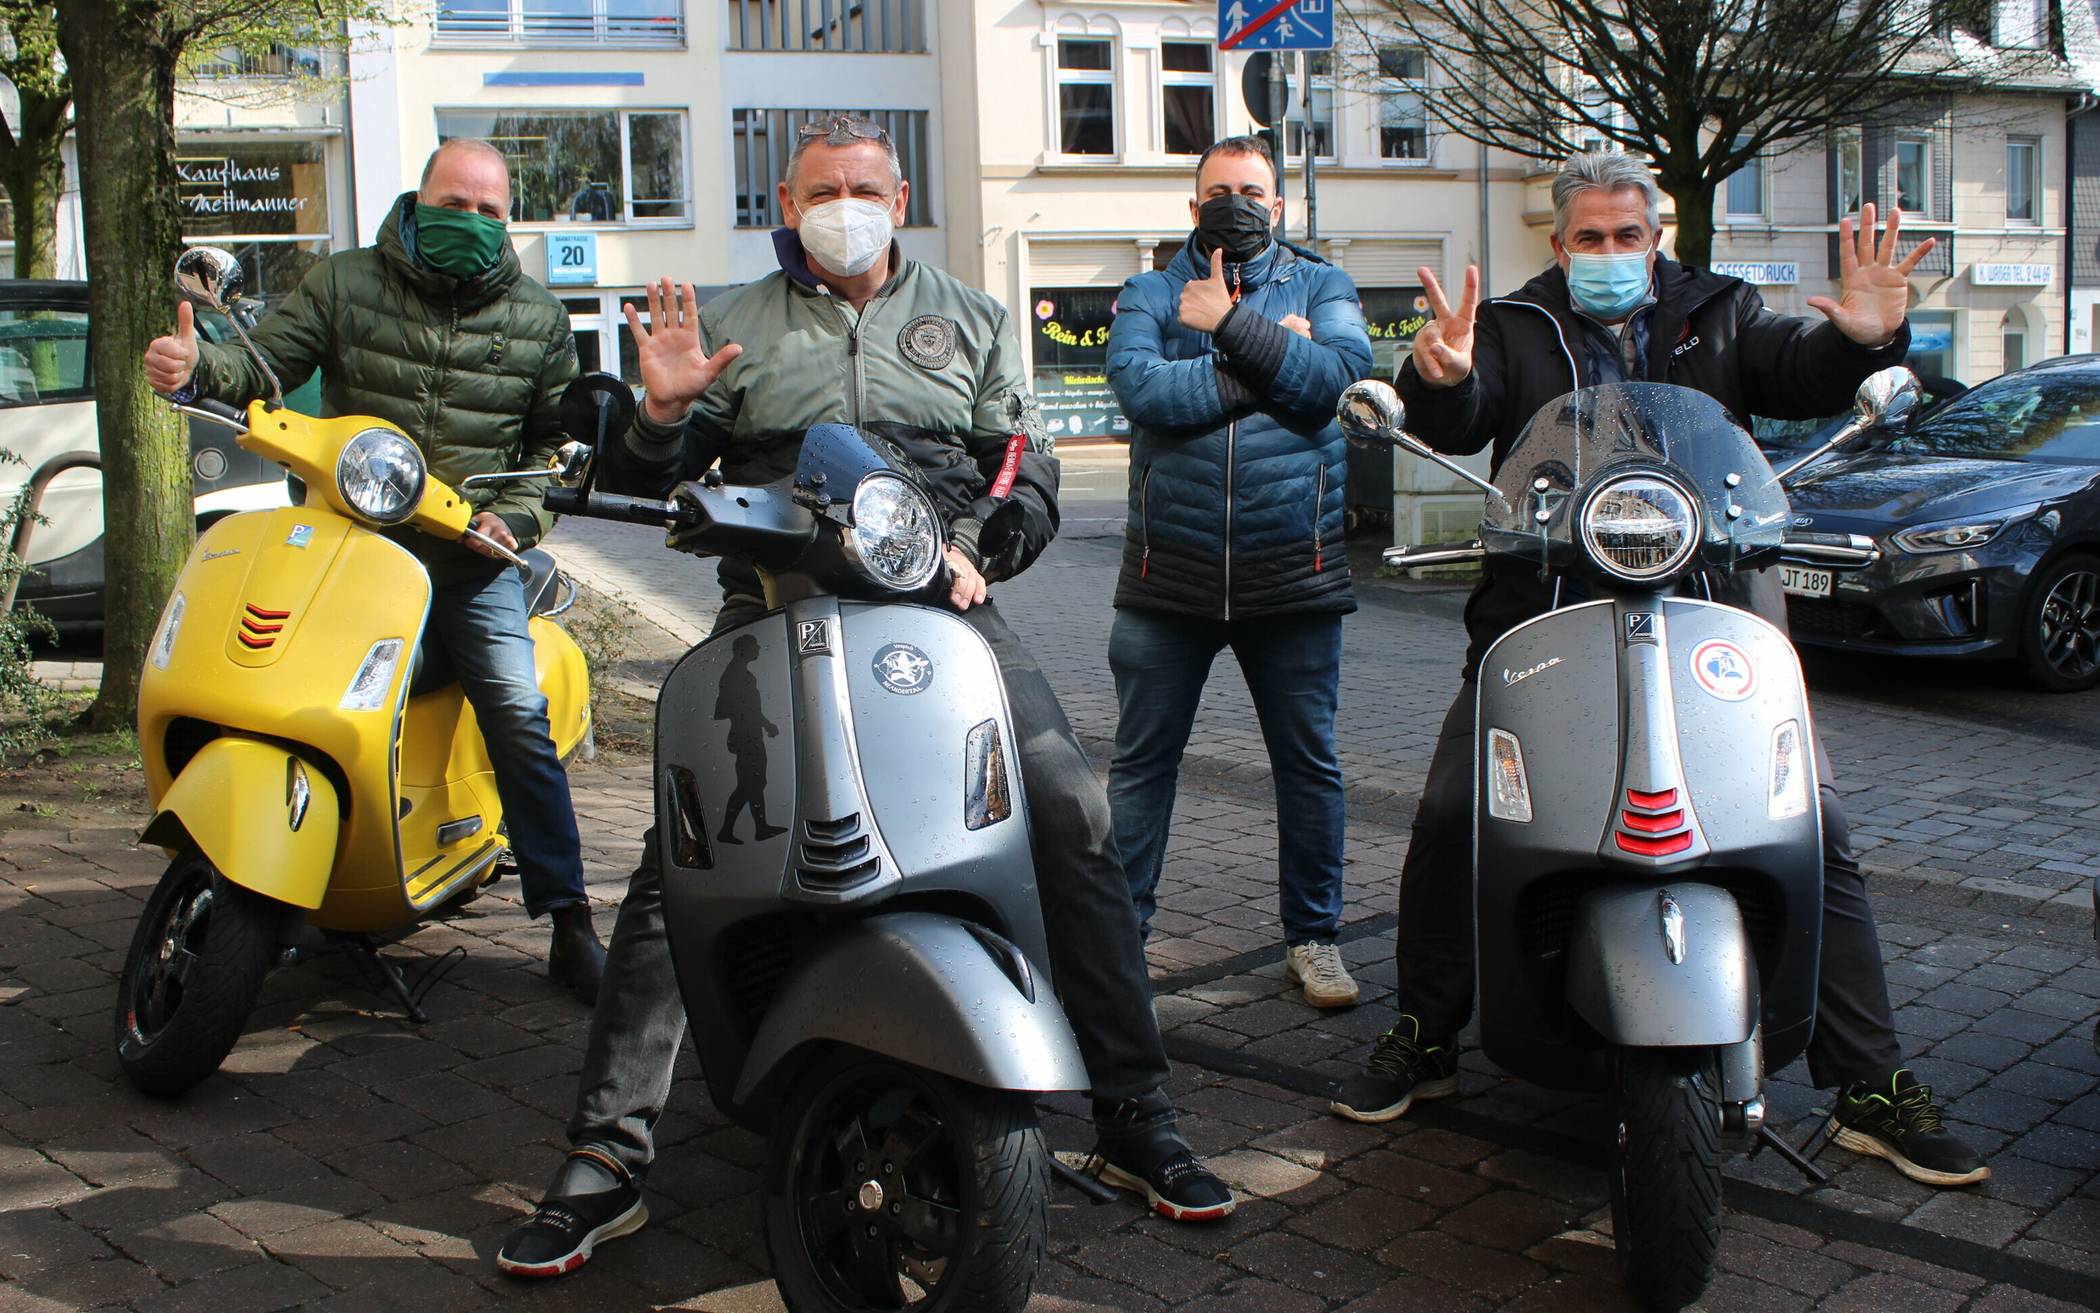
[
  {"x": 1874, "y": 286},
  {"x": 1443, "y": 349},
  {"x": 675, "y": 369}
]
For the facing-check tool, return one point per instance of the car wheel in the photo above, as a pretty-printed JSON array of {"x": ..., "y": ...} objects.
[{"x": 2060, "y": 626}]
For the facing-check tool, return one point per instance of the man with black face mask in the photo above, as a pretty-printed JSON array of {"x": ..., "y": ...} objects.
[{"x": 1229, "y": 363}]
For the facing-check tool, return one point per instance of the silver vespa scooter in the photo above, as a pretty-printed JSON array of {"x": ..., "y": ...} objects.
[
  {"x": 849, "y": 892},
  {"x": 1647, "y": 843}
]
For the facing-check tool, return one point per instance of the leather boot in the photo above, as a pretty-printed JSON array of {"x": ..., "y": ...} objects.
[{"x": 575, "y": 958}]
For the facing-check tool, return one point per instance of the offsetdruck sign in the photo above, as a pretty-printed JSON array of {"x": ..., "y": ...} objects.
[
  {"x": 1762, "y": 273},
  {"x": 2011, "y": 275}
]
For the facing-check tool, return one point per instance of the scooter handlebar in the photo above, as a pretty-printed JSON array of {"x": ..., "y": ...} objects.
[{"x": 615, "y": 506}]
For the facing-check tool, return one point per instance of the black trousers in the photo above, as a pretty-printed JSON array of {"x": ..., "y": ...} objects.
[
  {"x": 1855, "y": 1034},
  {"x": 1095, "y": 952}
]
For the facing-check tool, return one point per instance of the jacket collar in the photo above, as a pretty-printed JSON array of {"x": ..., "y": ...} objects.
[
  {"x": 1275, "y": 264},
  {"x": 397, "y": 245},
  {"x": 1678, "y": 291},
  {"x": 794, "y": 262}
]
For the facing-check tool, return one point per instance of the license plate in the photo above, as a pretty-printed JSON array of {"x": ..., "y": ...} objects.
[{"x": 1804, "y": 582}]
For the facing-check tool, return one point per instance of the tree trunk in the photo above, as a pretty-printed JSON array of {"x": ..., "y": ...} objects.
[
  {"x": 34, "y": 174},
  {"x": 1694, "y": 200},
  {"x": 123, "y": 67}
]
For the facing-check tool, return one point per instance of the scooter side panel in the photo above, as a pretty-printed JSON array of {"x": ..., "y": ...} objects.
[{"x": 921, "y": 988}]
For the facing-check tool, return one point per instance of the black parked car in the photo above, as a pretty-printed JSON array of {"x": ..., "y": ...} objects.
[{"x": 1987, "y": 509}]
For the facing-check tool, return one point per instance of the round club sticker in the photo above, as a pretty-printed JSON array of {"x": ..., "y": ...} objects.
[
  {"x": 903, "y": 669},
  {"x": 1724, "y": 670}
]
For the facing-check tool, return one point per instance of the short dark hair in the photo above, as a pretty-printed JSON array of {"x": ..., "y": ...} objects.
[{"x": 1239, "y": 146}]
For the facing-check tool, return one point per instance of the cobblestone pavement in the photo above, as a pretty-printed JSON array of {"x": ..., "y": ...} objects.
[{"x": 344, "y": 1161}]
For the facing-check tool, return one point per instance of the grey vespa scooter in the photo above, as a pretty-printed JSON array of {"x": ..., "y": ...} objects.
[
  {"x": 1647, "y": 845},
  {"x": 849, "y": 892}
]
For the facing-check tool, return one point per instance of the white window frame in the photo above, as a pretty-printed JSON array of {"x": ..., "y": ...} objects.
[
  {"x": 2033, "y": 147},
  {"x": 515, "y": 33},
  {"x": 1923, "y": 141},
  {"x": 1850, "y": 142},
  {"x": 1761, "y": 162},
  {"x": 1427, "y": 158},
  {"x": 1062, "y": 77},
  {"x": 1588, "y": 92},
  {"x": 624, "y": 113},
  {"x": 1294, "y": 112},
  {"x": 1169, "y": 77},
  {"x": 2020, "y": 24}
]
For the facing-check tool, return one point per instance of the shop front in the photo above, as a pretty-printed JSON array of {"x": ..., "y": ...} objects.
[
  {"x": 270, "y": 198},
  {"x": 1070, "y": 331}
]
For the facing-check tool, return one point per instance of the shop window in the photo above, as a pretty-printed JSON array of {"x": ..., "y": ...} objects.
[
  {"x": 1188, "y": 96},
  {"x": 1392, "y": 315},
  {"x": 1321, "y": 62},
  {"x": 871, "y": 26},
  {"x": 762, "y": 139},
  {"x": 1932, "y": 343},
  {"x": 585, "y": 165},
  {"x": 1745, "y": 197},
  {"x": 1071, "y": 362},
  {"x": 2023, "y": 176},
  {"x": 1086, "y": 96},
  {"x": 1914, "y": 174},
  {"x": 560, "y": 22},
  {"x": 1403, "y": 115}
]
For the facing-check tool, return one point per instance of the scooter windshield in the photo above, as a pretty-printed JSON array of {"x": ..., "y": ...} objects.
[{"x": 1581, "y": 441}]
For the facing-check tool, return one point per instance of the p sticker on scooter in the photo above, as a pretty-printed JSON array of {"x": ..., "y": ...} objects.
[
  {"x": 903, "y": 669},
  {"x": 813, "y": 638},
  {"x": 301, "y": 535},
  {"x": 1724, "y": 670}
]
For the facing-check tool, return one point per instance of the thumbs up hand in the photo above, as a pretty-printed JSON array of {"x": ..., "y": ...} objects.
[
  {"x": 171, "y": 360},
  {"x": 1206, "y": 301}
]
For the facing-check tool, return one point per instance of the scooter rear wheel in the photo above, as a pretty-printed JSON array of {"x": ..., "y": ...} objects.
[
  {"x": 1666, "y": 1173},
  {"x": 196, "y": 966},
  {"x": 889, "y": 1187}
]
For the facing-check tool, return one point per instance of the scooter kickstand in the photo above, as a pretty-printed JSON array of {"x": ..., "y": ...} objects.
[
  {"x": 364, "y": 953},
  {"x": 1087, "y": 1185},
  {"x": 1769, "y": 1138}
]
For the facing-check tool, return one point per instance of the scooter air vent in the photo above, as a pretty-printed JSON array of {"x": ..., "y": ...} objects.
[
  {"x": 837, "y": 853},
  {"x": 1653, "y": 824},
  {"x": 259, "y": 628}
]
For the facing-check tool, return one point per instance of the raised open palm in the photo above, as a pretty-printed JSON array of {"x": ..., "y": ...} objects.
[
  {"x": 1874, "y": 286},
  {"x": 1443, "y": 349},
  {"x": 675, "y": 366}
]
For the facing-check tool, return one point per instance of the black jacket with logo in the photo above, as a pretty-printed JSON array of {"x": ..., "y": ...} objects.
[{"x": 1705, "y": 332}]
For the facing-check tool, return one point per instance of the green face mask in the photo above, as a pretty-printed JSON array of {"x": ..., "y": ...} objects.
[{"x": 457, "y": 242}]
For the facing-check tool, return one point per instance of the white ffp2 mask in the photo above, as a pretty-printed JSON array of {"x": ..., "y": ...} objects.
[{"x": 846, "y": 236}]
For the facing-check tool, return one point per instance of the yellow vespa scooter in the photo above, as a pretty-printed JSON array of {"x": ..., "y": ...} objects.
[{"x": 296, "y": 767}]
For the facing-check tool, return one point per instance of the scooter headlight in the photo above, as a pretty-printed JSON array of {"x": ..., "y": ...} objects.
[
  {"x": 380, "y": 475},
  {"x": 1640, "y": 527},
  {"x": 896, "y": 537},
  {"x": 1788, "y": 797}
]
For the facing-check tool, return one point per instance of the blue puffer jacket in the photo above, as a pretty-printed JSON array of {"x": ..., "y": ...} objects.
[{"x": 1237, "y": 468}]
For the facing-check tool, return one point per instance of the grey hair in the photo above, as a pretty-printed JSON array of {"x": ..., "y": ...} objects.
[
  {"x": 846, "y": 130},
  {"x": 1606, "y": 171}
]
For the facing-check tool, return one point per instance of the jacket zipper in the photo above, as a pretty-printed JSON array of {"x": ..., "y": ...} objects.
[
  {"x": 1319, "y": 505},
  {"x": 1232, "y": 433},
  {"x": 1145, "y": 524}
]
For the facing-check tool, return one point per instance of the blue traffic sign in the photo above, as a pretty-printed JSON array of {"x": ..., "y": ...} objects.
[{"x": 1276, "y": 24}]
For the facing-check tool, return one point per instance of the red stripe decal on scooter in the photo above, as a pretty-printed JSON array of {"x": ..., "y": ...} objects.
[
  {"x": 261, "y": 614},
  {"x": 1639, "y": 847},
  {"x": 254, "y": 644},
  {"x": 1662, "y": 824},
  {"x": 255, "y": 628},
  {"x": 1652, "y": 801}
]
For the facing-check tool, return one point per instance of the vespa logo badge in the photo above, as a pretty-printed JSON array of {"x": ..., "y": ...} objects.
[
  {"x": 1519, "y": 676},
  {"x": 213, "y": 556},
  {"x": 1640, "y": 626},
  {"x": 903, "y": 669},
  {"x": 813, "y": 638},
  {"x": 1724, "y": 670}
]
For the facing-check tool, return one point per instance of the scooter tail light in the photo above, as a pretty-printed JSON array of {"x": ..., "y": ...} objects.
[
  {"x": 375, "y": 675},
  {"x": 1788, "y": 796},
  {"x": 987, "y": 795},
  {"x": 1509, "y": 790}
]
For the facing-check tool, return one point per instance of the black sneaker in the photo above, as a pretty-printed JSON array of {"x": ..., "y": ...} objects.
[
  {"x": 559, "y": 1236},
  {"x": 1401, "y": 1069},
  {"x": 1899, "y": 1121},
  {"x": 1167, "y": 1173}
]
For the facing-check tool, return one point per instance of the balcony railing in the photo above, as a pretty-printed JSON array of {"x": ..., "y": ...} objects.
[
  {"x": 590, "y": 23},
  {"x": 860, "y": 26}
]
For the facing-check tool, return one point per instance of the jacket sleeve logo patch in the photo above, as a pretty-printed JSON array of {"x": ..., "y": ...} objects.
[{"x": 928, "y": 341}]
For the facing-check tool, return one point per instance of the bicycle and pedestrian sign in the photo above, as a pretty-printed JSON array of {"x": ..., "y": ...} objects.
[{"x": 1275, "y": 24}]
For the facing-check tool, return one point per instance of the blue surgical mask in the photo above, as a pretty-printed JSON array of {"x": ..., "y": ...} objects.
[{"x": 1608, "y": 286}]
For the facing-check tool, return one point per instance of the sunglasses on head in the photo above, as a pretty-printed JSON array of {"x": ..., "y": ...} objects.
[{"x": 843, "y": 130}]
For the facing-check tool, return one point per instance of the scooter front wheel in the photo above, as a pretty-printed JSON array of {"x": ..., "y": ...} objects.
[
  {"x": 889, "y": 1187},
  {"x": 1666, "y": 1173},
  {"x": 196, "y": 966}
]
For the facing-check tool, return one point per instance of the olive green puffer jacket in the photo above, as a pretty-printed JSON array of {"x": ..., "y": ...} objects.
[{"x": 472, "y": 369}]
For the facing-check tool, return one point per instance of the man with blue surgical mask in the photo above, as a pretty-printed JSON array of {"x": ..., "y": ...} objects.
[{"x": 1613, "y": 309}]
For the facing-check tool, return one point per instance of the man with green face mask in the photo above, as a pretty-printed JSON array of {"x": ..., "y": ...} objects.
[{"x": 435, "y": 328}]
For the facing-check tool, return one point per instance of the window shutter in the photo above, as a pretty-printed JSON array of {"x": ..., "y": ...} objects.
[
  {"x": 1390, "y": 263},
  {"x": 1081, "y": 264}
]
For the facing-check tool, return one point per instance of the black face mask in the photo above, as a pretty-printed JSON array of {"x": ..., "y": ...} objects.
[{"x": 1236, "y": 225}]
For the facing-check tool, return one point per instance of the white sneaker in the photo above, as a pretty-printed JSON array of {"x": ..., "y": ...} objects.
[{"x": 1318, "y": 967}]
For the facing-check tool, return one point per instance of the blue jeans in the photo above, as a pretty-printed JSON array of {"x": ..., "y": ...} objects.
[
  {"x": 478, "y": 628},
  {"x": 1293, "y": 667}
]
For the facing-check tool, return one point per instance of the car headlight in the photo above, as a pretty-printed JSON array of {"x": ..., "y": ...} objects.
[
  {"x": 380, "y": 475},
  {"x": 896, "y": 537},
  {"x": 1640, "y": 527},
  {"x": 1949, "y": 537}
]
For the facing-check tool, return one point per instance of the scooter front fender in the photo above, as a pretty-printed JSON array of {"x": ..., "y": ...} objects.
[
  {"x": 924, "y": 989},
  {"x": 1626, "y": 981},
  {"x": 267, "y": 819}
]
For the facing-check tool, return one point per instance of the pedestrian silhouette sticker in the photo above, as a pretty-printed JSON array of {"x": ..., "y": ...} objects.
[
  {"x": 736, "y": 701},
  {"x": 1724, "y": 670}
]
